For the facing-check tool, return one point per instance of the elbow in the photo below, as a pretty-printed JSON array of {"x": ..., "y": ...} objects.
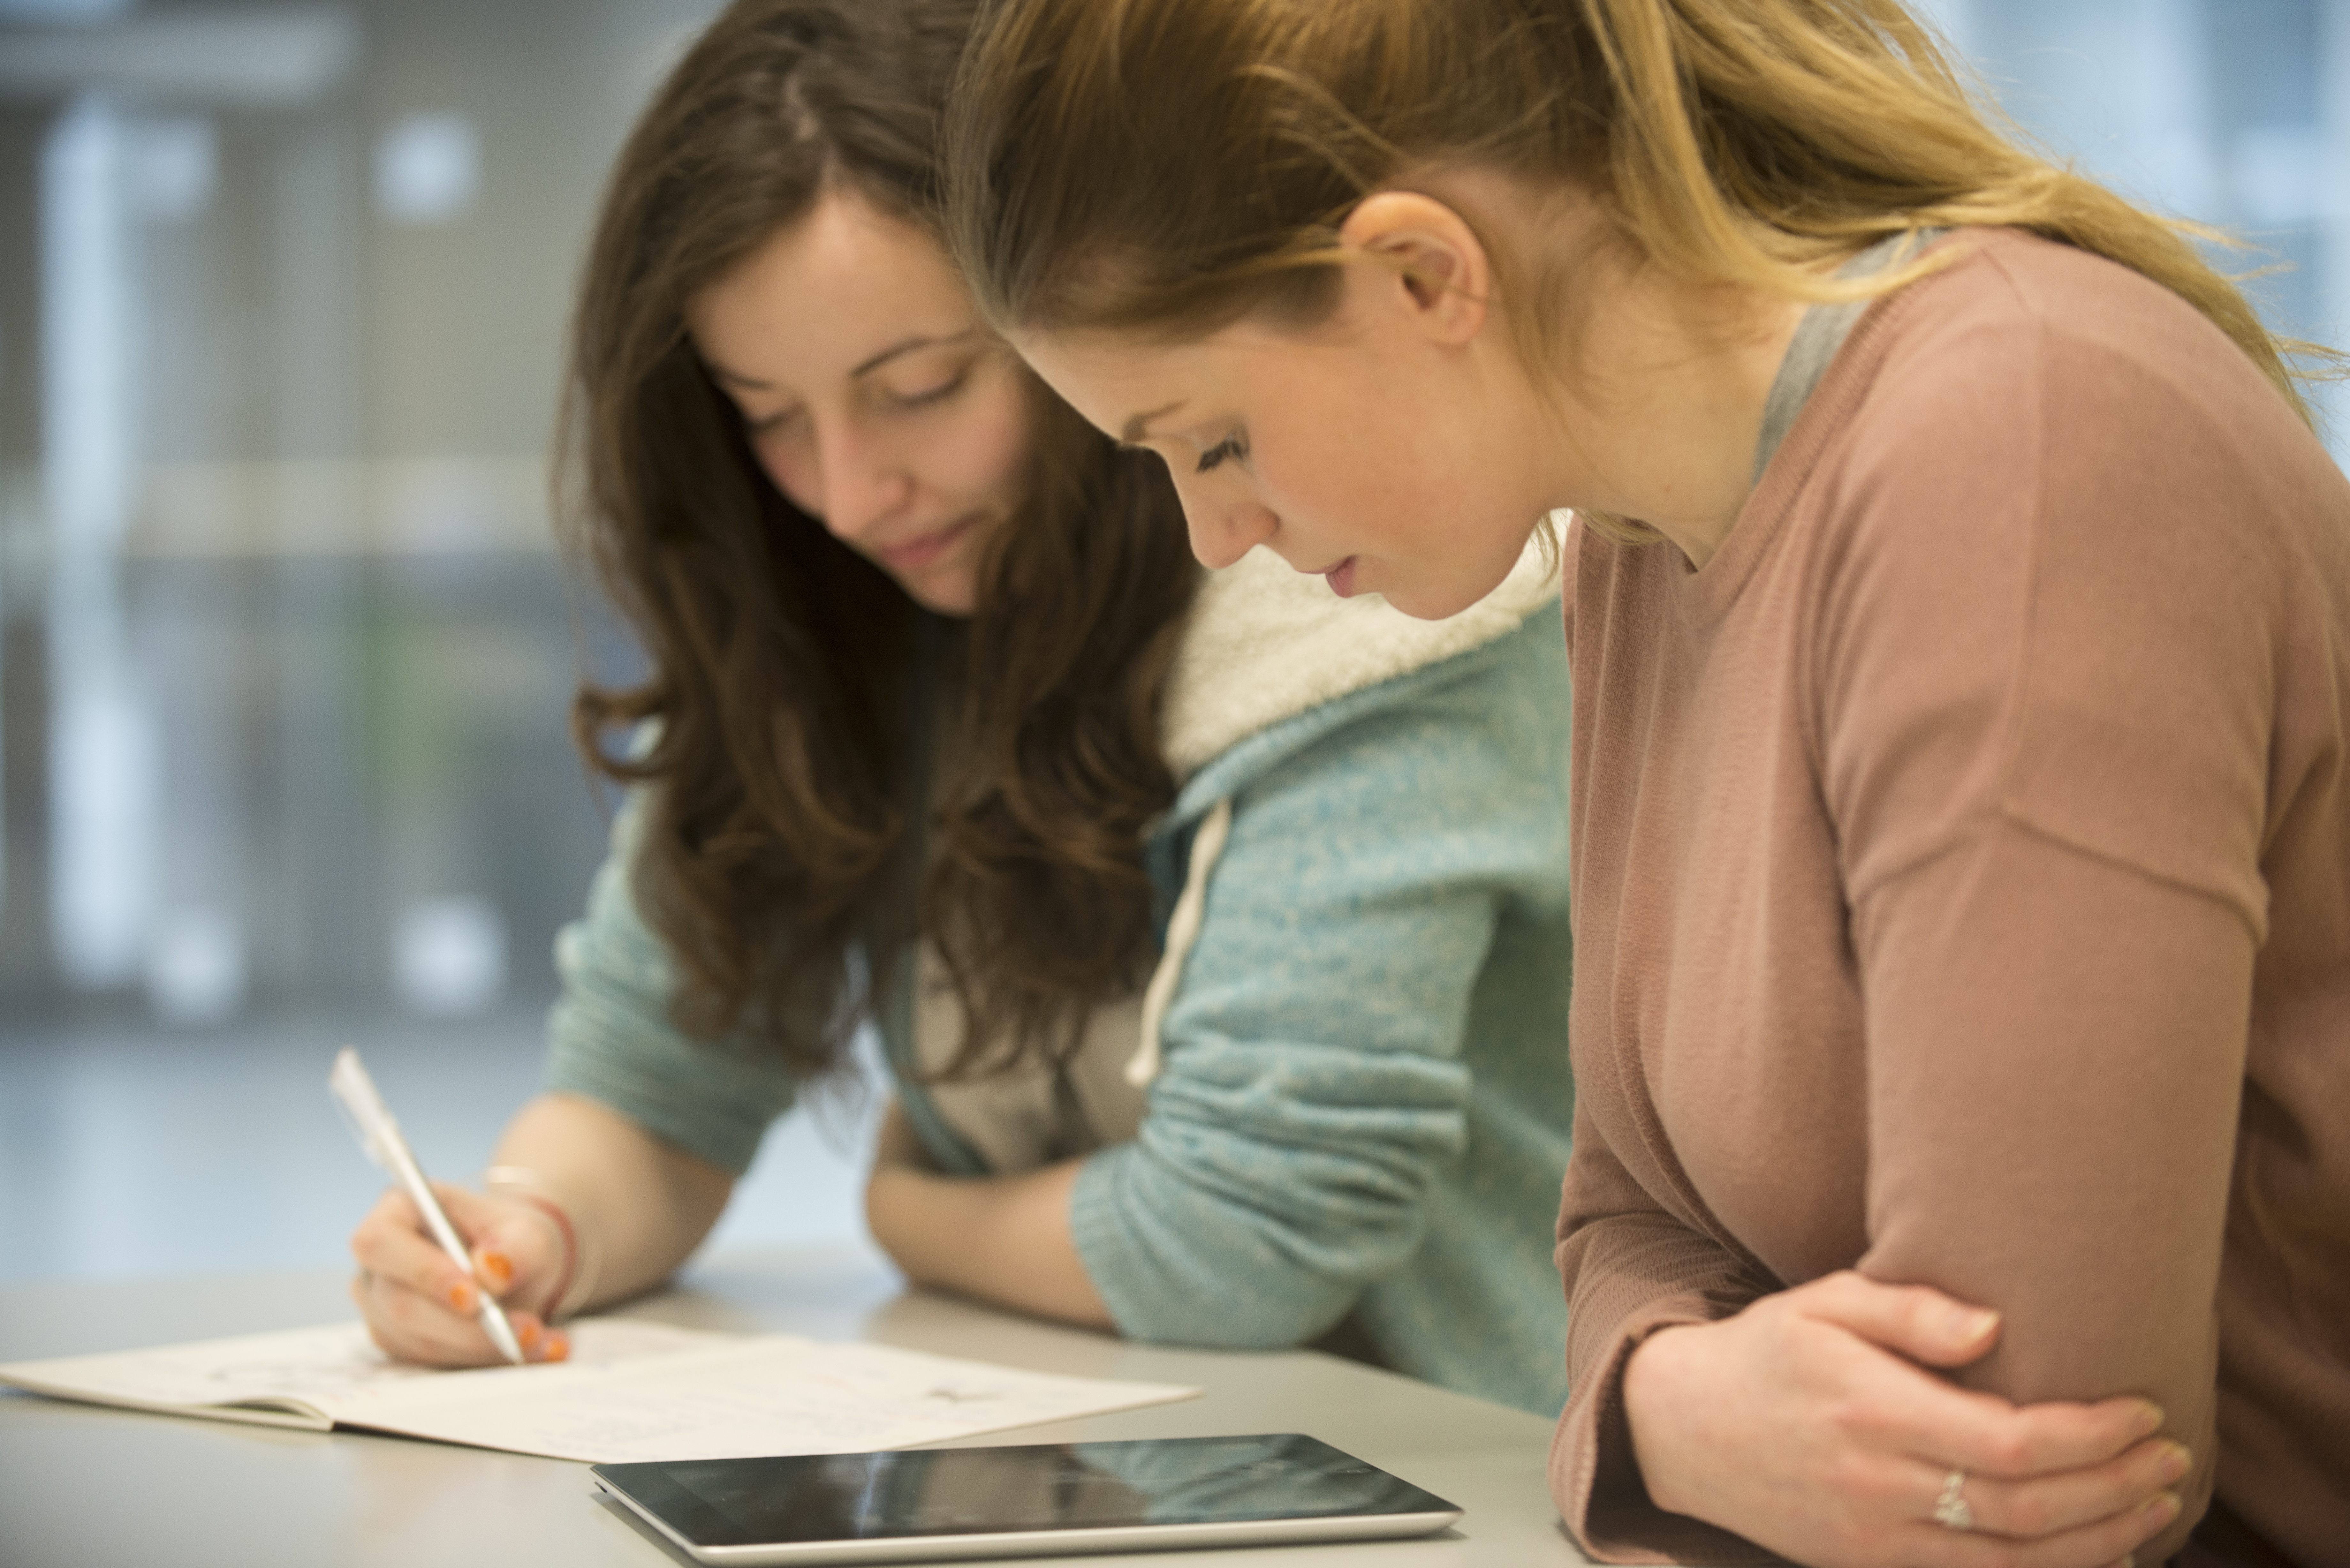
[
  {"x": 1249, "y": 1316},
  {"x": 1225, "y": 1281}
]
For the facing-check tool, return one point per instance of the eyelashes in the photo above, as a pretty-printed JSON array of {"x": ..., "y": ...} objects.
[
  {"x": 1232, "y": 447},
  {"x": 938, "y": 394},
  {"x": 899, "y": 402}
]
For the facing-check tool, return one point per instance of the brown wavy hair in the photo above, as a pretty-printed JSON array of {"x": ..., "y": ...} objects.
[
  {"x": 792, "y": 819},
  {"x": 1164, "y": 168}
]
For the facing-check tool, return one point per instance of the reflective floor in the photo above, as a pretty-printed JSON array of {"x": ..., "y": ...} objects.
[{"x": 134, "y": 1151}]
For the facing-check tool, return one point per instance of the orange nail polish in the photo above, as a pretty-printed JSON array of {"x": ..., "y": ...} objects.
[
  {"x": 558, "y": 1347},
  {"x": 499, "y": 1268},
  {"x": 461, "y": 1298},
  {"x": 526, "y": 1333}
]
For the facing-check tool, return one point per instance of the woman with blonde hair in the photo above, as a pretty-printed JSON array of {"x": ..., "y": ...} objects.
[{"x": 1959, "y": 622}]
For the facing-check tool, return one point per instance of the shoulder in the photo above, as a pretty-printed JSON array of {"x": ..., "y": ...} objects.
[
  {"x": 2057, "y": 359},
  {"x": 2036, "y": 424},
  {"x": 2060, "y": 544}
]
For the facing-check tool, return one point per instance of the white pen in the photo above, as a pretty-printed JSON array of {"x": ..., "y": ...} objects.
[{"x": 378, "y": 1134}]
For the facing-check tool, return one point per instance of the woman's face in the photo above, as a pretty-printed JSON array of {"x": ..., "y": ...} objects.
[
  {"x": 1357, "y": 449},
  {"x": 872, "y": 396}
]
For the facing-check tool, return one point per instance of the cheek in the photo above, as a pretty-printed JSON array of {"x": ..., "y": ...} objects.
[
  {"x": 983, "y": 452},
  {"x": 791, "y": 467}
]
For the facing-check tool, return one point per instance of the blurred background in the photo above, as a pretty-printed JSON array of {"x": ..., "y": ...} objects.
[{"x": 286, "y": 647}]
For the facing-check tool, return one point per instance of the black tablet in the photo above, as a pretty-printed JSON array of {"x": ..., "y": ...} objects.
[{"x": 934, "y": 1505}]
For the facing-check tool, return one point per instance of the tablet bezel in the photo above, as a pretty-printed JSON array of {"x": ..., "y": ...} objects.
[{"x": 1421, "y": 1513}]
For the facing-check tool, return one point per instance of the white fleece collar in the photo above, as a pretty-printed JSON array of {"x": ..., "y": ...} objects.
[{"x": 1265, "y": 643}]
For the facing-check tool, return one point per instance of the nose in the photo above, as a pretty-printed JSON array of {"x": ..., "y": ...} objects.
[
  {"x": 861, "y": 481},
  {"x": 1223, "y": 531}
]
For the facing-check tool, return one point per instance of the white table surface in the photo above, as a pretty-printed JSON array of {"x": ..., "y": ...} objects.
[{"x": 81, "y": 1485}]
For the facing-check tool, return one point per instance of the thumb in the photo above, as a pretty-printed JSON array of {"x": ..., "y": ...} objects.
[
  {"x": 488, "y": 1226},
  {"x": 512, "y": 1244},
  {"x": 1916, "y": 1321}
]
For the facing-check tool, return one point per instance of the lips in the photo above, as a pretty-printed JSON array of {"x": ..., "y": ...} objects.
[{"x": 925, "y": 549}]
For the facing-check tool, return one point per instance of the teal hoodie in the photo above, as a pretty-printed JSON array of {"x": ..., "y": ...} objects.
[{"x": 1346, "y": 1090}]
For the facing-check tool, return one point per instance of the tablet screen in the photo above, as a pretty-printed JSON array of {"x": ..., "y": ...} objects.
[{"x": 983, "y": 1491}]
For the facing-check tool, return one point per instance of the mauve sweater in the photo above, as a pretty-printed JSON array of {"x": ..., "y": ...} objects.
[{"x": 1962, "y": 888}]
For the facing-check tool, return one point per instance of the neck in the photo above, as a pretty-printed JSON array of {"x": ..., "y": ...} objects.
[{"x": 1662, "y": 423}]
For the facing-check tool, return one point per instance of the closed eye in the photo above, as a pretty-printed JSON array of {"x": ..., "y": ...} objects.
[
  {"x": 938, "y": 394},
  {"x": 1233, "y": 446}
]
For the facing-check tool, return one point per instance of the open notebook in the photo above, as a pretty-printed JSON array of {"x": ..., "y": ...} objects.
[{"x": 631, "y": 1391}]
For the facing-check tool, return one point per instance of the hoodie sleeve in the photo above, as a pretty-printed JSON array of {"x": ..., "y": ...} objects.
[
  {"x": 609, "y": 1038},
  {"x": 1313, "y": 1091}
]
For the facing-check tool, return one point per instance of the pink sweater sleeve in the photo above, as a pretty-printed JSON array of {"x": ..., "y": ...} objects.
[{"x": 1634, "y": 1269}]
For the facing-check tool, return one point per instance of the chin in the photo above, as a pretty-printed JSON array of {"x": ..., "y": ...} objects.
[
  {"x": 957, "y": 599},
  {"x": 1433, "y": 604}
]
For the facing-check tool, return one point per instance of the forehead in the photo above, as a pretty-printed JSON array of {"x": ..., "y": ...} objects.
[
  {"x": 1246, "y": 368},
  {"x": 1115, "y": 382},
  {"x": 844, "y": 281}
]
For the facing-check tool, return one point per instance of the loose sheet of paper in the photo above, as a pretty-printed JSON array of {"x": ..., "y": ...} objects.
[{"x": 631, "y": 1391}]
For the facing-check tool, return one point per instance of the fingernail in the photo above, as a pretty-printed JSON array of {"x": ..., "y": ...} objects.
[
  {"x": 1973, "y": 1322},
  {"x": 526, "y": 1333},
  {"x": 2149, "y": 1421},
  {"x": 2176, "y": 1463},
  {"x": 461, "y": 1297},
  {"x": 558, "y": 1347},
  {"x": 499, "y": 1270},
  {"x": 2162, "y": 1509}
]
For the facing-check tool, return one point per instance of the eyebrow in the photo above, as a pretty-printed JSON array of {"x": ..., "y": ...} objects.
[
  {"x": 904, "y": 346},
  {"x": 907, "y": 346},
  {"x": 1135, "y": 430}
]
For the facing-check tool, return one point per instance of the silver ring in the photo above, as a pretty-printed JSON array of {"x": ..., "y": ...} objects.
[{"x": 1951, "y": 1509}]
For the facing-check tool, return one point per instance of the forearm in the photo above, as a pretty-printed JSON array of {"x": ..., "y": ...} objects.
[
  {"x": 1000, "y": 1238},
  {"x": 639, "y": 1205}
]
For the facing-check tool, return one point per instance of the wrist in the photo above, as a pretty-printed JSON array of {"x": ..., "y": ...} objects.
[{"x": 1651, "y": 1398}]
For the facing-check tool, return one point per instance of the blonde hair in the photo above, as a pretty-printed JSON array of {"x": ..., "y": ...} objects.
[{"x": 1166, "y": 166}]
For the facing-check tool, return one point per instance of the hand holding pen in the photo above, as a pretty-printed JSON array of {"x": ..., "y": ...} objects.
[{"x": 426, "y": 1298}]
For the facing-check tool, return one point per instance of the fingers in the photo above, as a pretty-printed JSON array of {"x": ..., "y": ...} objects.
[
  {"x": 515, "y": 1249},
  {"x": 1918, "y": 1321},
  {"x": 2050, "y": 1505},
  {"x": 1942, "y": 1424},
  {"x": 2018, "y": 1442},
  {"x": 421, "y": 1306},
  {"x": 392, "y": 1244},
  {"x": 407, "y": 1326},
  {"x": 2098, "y": 1543}
]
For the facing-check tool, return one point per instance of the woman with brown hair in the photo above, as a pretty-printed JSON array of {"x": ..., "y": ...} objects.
[
  {"x": 1216, "y": 934},
  {"x": 1960, "y": 620}
]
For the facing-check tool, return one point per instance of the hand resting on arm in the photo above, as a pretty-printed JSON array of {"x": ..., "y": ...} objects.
[
  {"x": 636, "y": 1207},
  {"x": 1825, "y": 1393}
]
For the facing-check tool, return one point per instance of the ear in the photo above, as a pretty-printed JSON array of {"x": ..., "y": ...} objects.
[{"x": 1443, "y": 277}]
